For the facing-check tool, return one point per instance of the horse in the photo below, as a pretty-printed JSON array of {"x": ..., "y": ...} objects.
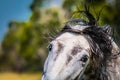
[{"x": 82, "y": 50}]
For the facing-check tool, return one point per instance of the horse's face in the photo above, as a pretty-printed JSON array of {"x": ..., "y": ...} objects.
[{"x": 68, "y": 57}]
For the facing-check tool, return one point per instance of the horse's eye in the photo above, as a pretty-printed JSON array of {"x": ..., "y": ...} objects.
[
  {"x": 50, "y": 47},
  {"x": 84, "y": 58}
]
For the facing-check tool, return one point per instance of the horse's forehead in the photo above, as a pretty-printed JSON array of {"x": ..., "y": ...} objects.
[{"x": 72, "y": 40}]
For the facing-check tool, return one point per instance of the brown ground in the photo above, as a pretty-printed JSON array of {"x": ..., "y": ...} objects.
[{"x": 21, "y": 76}]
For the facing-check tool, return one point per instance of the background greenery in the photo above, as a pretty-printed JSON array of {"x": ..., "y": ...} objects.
[{"x": 24, "y": 47}]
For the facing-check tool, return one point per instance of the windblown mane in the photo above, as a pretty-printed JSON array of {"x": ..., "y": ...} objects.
[
  {"x": 101, "y": 49},
  {"x": 101, "y": 52},
  {"x": 100, "y": 41}
]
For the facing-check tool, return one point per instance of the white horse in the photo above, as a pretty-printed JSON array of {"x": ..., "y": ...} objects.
[{"x": 82, "y": 51}]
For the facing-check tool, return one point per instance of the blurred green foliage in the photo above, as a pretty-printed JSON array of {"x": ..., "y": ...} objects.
[{"x": 24, "y": 47}]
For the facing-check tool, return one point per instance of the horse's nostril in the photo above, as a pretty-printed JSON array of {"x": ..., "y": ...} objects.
[{"x": 44, "y": 72}]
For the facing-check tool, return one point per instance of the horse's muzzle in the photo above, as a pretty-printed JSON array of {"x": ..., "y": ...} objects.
[{"x": 44, "y": 78}]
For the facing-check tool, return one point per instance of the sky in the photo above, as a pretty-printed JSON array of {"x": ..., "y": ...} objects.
[
  {"x": 13, "y": 10},
  {"x": 17, "y": 10},
  {"x": 53, "y": 3}
]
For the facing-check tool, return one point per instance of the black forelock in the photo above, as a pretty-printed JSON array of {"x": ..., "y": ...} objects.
[{"x": 100, "y": 43}]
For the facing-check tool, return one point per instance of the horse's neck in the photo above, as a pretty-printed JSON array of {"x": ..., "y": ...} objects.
[{"x": 113, "y": 67}]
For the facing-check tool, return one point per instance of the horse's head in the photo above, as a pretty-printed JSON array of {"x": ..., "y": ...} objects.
[
  {"x": 69, "y": 54},
  {"x": 81, "y": 49},
  {"x": 78, "y": 50}
]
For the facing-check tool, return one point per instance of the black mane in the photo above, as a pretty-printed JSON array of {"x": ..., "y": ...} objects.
[
  {"x": 100, "y": 42},
  {"x": 101, "y": 52},
  {"x": 101, "y": 46}
]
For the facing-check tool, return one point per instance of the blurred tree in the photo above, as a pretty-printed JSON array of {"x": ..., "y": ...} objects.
[
  {"x": 108, "y": 10},
  {"x": 24, "y": 46}
]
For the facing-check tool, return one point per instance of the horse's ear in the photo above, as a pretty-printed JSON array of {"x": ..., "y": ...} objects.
[
  {"x": 66, "y": 27},
  {"x": 108, "y": 30}
]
